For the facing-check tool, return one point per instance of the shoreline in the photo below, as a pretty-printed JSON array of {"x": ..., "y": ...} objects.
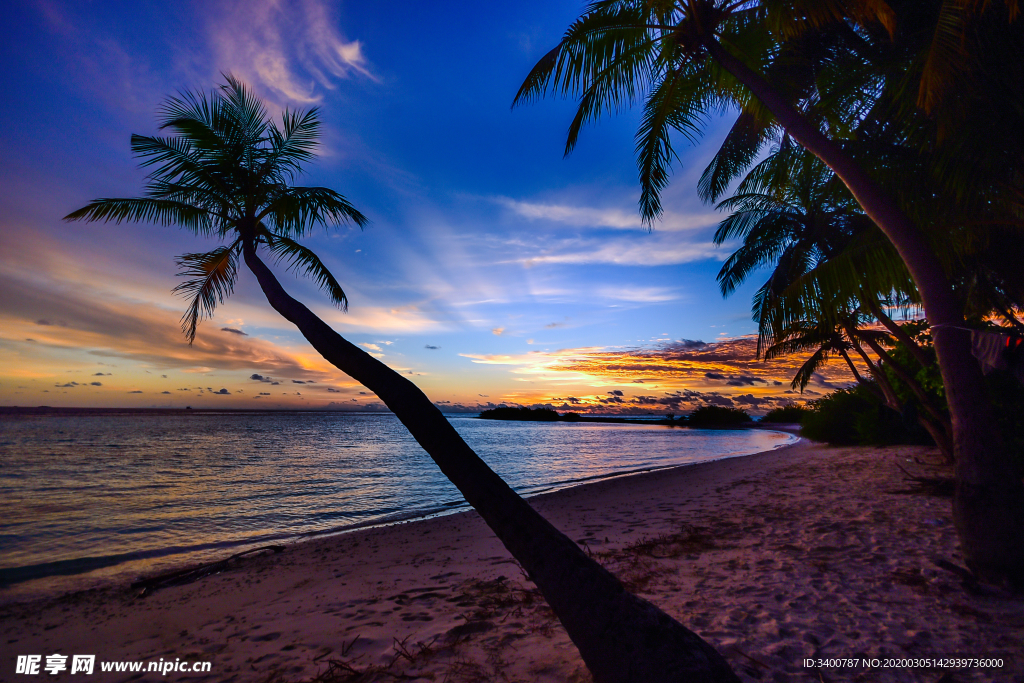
[
  {"x": 77, "y": 581},
  {"x": 802, "y": 551}
]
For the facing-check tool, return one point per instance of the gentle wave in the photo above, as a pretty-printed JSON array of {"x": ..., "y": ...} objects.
[{"x": 116, "y": 495}]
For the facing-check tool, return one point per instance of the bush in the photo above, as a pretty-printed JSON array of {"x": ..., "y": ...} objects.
[
  {"x": 788, "y": 414},
  {"x": 859, "y": 416},
  {"x": 717, "y": 416}
]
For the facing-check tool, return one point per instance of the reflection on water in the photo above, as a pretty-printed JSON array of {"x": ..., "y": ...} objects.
[{"x": 115, "y": 494}]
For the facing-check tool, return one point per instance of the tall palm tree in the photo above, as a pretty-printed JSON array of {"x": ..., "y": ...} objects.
[
  {"x": 688, "y": 59},
  {"x": 226, "y": 173},
  {"x": 827, "y": 260}
]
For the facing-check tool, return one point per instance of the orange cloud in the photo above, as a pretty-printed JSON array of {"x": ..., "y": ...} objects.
[{"x": 676, "y": 376}]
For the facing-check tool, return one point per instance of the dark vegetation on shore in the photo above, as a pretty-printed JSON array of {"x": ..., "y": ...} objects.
[
  {"x": 705, "y": 416},
  {"x": 859, "y": 416}
]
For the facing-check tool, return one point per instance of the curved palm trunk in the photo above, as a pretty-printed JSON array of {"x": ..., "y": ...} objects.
[
  {"x": 938, "y": 433},
  {"x": 853, "y": 368},
  {"x": 912, "y": 346},
  {"x": 937, "y": 424},
  {"x": 884, "y": 385},
  {"x": 621, "y": 637},
  {"x": 988, "y": 506}
]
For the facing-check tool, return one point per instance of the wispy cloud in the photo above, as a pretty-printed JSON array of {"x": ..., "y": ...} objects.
[
  {"x": 638, "y": 294},
  {"x": 639, "y": 250},
  {"x": 112, "y": 327},
  {"x": 605, "y": 217},
  {"x": 291, "y": 48}
]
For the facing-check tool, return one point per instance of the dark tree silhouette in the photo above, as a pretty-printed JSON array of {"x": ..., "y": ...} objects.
[
  {"x": 687, "y": 60},
  {"x": 227, "y": 173}
]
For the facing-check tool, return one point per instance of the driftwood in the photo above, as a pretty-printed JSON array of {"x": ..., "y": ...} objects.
[
  {"x": 182, "y": 576},
  {"x": 928, "y": 486}
]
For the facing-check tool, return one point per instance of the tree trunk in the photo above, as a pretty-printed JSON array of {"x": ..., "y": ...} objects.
[
  {"x": 884, "y": 385},
  {"x": 937, "y": 424},
  {"x": 853, "y": 368},
  {"x": 622, "y": 638},
  {"x": 912, "y": 346},
  {"x": 904, "y": 374},
  {"x": 988, "y": 505}
]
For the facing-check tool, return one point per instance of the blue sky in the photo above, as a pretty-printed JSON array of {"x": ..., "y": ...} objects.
[{"x": 493, "y": 270}]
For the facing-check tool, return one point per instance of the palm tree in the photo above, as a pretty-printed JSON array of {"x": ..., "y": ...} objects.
[
  {"x": 226, "y": 174},
  {"x": 827, "y": 260},
  {"x": 688, "y": 59}
]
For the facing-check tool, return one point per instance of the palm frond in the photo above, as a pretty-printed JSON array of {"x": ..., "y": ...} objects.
[
  {"x": 739, "y": 149},
  {"x": 299, "y": 258},
  {"x": 294, "y": 211},
  {"x": 211, "y": 279},
  {"x": 146, "y": 210},
  {"x": 672, "y": 106},
  {"x": 806, "y": 371},
  {"x": 291, "y": 145}
]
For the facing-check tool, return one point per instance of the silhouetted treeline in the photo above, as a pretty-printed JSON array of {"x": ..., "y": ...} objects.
[{"x": 705, "y": 416}]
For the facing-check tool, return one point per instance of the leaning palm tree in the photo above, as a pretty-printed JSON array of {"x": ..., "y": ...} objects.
[
  {"x": 227, "y": 173},
  {"x": 815, "y": 71}
]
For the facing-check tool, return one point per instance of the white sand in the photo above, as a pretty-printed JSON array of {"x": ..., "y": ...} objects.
[{"x": 797, "y": 553}]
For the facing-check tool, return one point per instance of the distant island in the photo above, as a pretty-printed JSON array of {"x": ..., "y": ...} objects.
[{"x": 705, "y": 416}]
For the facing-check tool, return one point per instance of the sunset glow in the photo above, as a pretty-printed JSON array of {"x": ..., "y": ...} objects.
[{"x": 494, "y": 271}]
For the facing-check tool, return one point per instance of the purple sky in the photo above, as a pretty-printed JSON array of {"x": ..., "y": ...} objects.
[{"x": 493, "y": 270}]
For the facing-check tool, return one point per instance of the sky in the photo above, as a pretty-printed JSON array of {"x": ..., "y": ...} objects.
[{"x": 493, "y": 271}]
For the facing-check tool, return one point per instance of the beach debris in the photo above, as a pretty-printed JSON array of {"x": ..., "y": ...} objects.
[
  {"x": 182, "y": 576},
  {"x": 941, "y": 487}
]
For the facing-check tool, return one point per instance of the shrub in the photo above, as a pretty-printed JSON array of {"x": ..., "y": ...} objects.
[
  {"x": 859, "y": 416},
  {"x": 787, "y": 414},
  {"x": 833, "y": 418},
  {"x": 716, "y": 416}
]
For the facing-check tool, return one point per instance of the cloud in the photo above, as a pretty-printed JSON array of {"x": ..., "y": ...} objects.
[
  {"x": 291, "y": 48},
  {"x": 222, "y": 392},
  {"x": 656, "y": 249},
  {"x": 108, "y": 326},
  {"x": 687, "y": 372},
  {"x": 639, "y": 294},
  {"x": 431, "y": 347},
  {"x": 498, "y": 331},
  {"x": 609, "y": 217},
  {"x": 96, "y": 384},
  {"x": 234, "y": 331}
]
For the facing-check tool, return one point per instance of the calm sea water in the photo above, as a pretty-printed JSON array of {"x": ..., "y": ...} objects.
[{"x": 85, "y": 498}]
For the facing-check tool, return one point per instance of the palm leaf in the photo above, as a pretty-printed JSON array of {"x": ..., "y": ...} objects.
[
  {"x": 146, "y": 210},
  {"x": 211, "y": 279},
  {"x": 299, "y": 258},
  {"x": 295, "y": 211}
]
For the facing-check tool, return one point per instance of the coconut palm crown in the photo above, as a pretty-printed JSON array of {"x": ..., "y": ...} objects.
[{"x": 227, "y": 172}]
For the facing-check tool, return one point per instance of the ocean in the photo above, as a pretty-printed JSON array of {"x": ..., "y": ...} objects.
[{"x": 88, "y": 498}]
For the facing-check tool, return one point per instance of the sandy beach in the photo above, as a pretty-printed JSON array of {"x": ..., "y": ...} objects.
[{"x": 804, "y": 552}]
